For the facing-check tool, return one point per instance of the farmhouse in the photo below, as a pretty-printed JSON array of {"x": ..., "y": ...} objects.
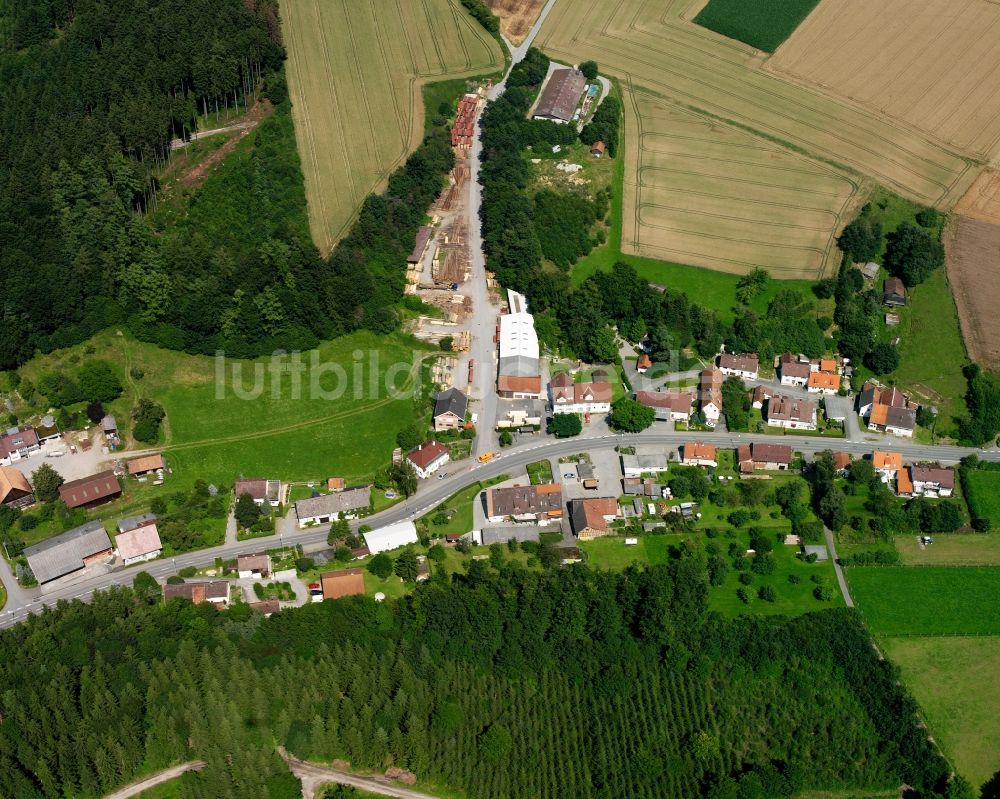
[
  {"x": 887, "y": 464},
  {"x": 138, "y": 467},
  {"x": 15, "y": 490},
  {"x": 540, "y": 504},
  {"x": 253, "y": 566},
  {"x": 791, "y": 413},
  {"x": 518, "y": 372},
  {"x": 932, "y": 481},
  {"x": 695, "y": 453},
  {"x": 570, "y": 397},
  {"x": 18, "y": 443},
  {"x": 764, "y": 456},
  {"x": 449, "y": 410},
  {"x": 328, "y": 507},
  {"x": 793, "y": 371},
  {"x": 561, "y": 95},
  {"x": 138, "y": 539},
  {"x": 669, "y": 406},
  {"x": 639, "y": 464},
  {"x": 392, "y": 536},
  {"x": 746, "y": 365},
  {"x": 710, "y": 395},
  {"x": 592, "y": 517},
  {"x": 428, "y": 458},
  {"x": 887, "y": 410},
  {"x": 260, "y": 490},
  {"x": 823, "y": 383},
  {"x": 88, "y": 492},
  {"x": 841, "y": 461},
  {"x": 350, "y": 582},
  {"x": 70, "y": 552},
  {"x": 894, "y": 292},
  {"x": 214, "y": 591}
]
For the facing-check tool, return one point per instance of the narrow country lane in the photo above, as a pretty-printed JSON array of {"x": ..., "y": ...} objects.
[{"x": 831, "y": 545}]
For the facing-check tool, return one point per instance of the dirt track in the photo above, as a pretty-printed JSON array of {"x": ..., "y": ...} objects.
[
  {"x": 313, "y": 777},
  {"x": 137, "y": 787},
  {"x": 973, "y": 256}
]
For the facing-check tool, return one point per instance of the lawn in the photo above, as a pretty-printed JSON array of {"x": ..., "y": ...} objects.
[
  {"x": 335, "y": 417},
  {"x": 539, "y": 472},
  {"x": 984, "y": 494},
  {"x": 763, "y": 24},
  {"x": 928, "y": 600},
  {"x": 951, "y": 549},
  {"x": 955, "y": 681},
  {"x": 611, "y": 552},
  {"x": 460, "y": 519}
]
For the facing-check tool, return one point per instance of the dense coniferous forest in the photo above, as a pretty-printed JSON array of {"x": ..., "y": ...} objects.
[
  {"x": 91, "y": 94},
  {"x": 504, "y": 682}
]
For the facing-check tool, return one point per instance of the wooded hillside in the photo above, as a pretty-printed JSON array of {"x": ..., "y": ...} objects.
[{"x": 567, "y": 683}]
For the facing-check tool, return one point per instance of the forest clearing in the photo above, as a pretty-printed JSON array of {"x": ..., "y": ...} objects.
[{"x": 354, "y": 76}]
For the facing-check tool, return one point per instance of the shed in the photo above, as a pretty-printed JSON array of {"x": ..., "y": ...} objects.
[
  {"x": 597, "y": 149},
  {"x": 391, "y": 536},
  {"x": 349, "y": 582},
  {"x": 819, "y": 550}
]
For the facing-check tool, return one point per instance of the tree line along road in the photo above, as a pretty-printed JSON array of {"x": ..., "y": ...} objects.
[{"x": 433, "y": 492}]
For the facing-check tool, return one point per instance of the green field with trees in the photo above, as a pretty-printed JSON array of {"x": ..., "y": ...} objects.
[
  {"x": 441, "y": 683},
  {"x": 763, "y": 24}
]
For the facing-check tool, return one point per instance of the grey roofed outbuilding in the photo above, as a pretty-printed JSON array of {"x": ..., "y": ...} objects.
[
  {"x": 819, "y": 550},
  {"x": 131, "y": 522},
  {"x": 584, "y": 470},
  {"x": 519, "y": 366},
  {"x": 109, "y": 424},
  {"x": 66, "y": 553},
  {"x": 333, "y": 504},
  {"x": 451, "y": 401},
  {"x": 501, "y": 535}
]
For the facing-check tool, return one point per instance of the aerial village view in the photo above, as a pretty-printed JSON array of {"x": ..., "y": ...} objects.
[{"x": 500, "y": 399}]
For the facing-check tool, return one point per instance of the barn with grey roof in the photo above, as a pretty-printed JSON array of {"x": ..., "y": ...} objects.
[{"x": 70, "y": 552}]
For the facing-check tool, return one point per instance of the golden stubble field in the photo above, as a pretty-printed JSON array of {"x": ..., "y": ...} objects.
[
  {"x": 934, "y": 64},
  {"x": 516, "y": 17},
  {"x": 701, "y": 192},
  {"x": 354, "y": 74},
  {"x": 658, "y": 54}
]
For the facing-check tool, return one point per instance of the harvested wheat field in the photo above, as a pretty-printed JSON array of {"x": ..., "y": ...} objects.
[
  {"x": 652, "y": 45},
  {"x": 973, "y": 258},
  {"x": 982, "y": 200},
  {"x": 516, "y": 17},
  {"x": 704, "y": 193},
  {"x": 354, "y": 75},
  {"x": 934, "y": 64}
]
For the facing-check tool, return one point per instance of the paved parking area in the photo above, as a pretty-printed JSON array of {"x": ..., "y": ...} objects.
[{"x": 70, "y": 465}]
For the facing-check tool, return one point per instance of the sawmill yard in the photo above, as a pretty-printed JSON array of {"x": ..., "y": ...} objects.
[
  {"x": 355, "y": 72},
  {"x": 757, "y": 128}
]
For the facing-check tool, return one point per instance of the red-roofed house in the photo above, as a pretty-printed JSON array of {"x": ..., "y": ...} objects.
[{"x": 428, "y": 458}]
